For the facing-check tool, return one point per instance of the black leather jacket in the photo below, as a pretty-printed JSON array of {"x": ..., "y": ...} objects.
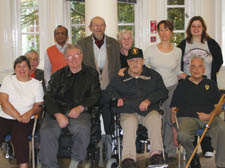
[{"x": 67, "y": 90}]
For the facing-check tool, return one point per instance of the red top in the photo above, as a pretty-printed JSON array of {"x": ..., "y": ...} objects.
[{"x": 56, "y": 58}]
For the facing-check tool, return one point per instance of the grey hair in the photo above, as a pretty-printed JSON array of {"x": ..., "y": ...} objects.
[
  {"x": 122, "y": 32},
  {"x": 197, "y": 56},
  {"x": 32, "y": 51},
  {"x": 96, "y": 17},
  {"x": 72, "y": 46}
]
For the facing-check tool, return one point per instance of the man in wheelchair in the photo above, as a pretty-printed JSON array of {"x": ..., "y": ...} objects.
[
  {"x": 193, "y": 100},
  {"x": 71, "y": 91},
  {"x": 139, "y": 92}
]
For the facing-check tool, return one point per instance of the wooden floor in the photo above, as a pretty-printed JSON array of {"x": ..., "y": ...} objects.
[{"x": 206, "y": 163}]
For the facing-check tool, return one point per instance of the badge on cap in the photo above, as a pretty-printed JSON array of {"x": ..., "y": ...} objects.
[
  {"x": 206, "y": 87},
  {"x": 135, "y": 51}
]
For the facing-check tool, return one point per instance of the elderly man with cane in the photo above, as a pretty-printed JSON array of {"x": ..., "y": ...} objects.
[{"x": 193, "y": 101}]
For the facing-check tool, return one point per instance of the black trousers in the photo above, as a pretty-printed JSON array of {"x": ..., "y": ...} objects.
[
  {"x": 106, "y": 113},
  {"x": 19, "y": 133}
]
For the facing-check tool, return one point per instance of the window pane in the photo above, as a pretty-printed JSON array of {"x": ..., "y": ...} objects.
[
  {"x": 176, "y": 15},
  {"x": 77, "y": 13},
  {"x": 29, "y": 15},
  {"x": 29, "y": 20},
  {"x": 125, "y": 13},
  {"x": 78, "y": 33},
  {"x": 175, "y": 2},
  {"x": 29, "y": 3},
  {"x": 30, "y": 41},
  {"x": 131, "y": 28},
  {"x": 178, "y": 37}
]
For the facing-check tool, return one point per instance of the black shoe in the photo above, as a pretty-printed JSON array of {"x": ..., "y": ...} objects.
[
  {"x": 128, "y": 163},
  {"x": 156, "y": 159},
  {"x": 195, "y": 163}
]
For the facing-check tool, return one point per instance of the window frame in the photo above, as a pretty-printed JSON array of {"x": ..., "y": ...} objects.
[{"x": 184, "y": 6}]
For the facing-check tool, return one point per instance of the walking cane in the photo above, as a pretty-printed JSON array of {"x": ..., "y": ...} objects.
[{"x": 213, "y": 114}]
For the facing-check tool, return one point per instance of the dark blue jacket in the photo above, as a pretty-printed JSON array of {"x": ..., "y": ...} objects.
[{"x": 134, "y": 90}]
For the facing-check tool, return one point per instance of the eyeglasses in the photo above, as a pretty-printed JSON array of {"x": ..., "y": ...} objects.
[{"x": 73, "y": 56}]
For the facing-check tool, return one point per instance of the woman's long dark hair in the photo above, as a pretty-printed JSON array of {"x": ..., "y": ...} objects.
[{"x": 205, "y": 35}]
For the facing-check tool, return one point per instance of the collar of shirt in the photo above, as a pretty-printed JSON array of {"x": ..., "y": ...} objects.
[
  {"x": 61, "y": 48},
  {"x": 99, "y": 43},
  {"x": 69, "y": 73},
  {"x": 143, "y": 75}
]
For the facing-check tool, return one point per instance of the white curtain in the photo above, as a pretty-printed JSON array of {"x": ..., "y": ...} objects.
[{"x": 10, "y": 47}]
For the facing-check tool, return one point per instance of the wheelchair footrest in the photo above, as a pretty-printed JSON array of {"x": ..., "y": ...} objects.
[{"x": 158, "y": 166}]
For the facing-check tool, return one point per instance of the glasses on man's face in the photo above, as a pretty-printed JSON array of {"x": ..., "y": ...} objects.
[{"x": 69, "y": 57}]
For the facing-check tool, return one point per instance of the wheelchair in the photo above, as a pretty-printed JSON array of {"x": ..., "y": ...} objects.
[
  {"x": 142, "y": 141},
  {"x": 93, "y": 151}
]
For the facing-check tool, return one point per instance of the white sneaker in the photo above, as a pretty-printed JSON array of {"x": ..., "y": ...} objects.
[{"x": 208, "y": 154}]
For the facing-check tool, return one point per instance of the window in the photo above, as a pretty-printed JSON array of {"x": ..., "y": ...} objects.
[
  {"x": 176, "y": 14},
  {"x": 77, "y": 20},
  {"x": 125, "y": 18},
  {"x": 30, "y": 25}
]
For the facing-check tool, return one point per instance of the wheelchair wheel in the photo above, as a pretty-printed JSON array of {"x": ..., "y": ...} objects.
[{"x": 112, "y": 163}]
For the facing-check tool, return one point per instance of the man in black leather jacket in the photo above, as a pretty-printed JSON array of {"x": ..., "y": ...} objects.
[
  {"x": 139, "y": 92},
  {"x": 71, "y": 91}
]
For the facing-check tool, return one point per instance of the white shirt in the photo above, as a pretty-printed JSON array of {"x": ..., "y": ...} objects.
[
  {"x": 100, "y": 54},
  {"x": 167, "y": 64},
  {"x": 22, "y": 95}
]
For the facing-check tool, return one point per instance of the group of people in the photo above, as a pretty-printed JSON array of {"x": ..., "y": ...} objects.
[{"x": 99, "y": 68}]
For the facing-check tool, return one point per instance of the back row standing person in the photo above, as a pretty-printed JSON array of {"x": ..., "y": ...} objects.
[
  {"x": 199, "y": 43},
  {"x": 54, "y": 57},
  {"x": 102, "y": 53},
  {"x": 125, "y": 38},
  {"x": 165, "y": 58}
]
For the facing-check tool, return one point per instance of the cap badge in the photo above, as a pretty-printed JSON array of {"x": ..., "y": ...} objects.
[
  {"x": 206, "y": 87},
  {"x": 135, "y": 51}
]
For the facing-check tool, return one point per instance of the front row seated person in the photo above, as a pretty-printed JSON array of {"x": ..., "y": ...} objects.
[
  {"x": 20, "y": 97},
  {"x": 193, "y": 100},
  {"x": 71, "y": 91},
  {"x": 139, "y": 92}
]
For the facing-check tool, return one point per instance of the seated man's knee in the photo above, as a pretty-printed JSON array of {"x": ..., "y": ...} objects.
[
  {"x": 184, "y": 138},
  {"x": 81, "y": 130},
  {"x": 152, "y": 119},
  {"x": 129, "y": 121},
  {"x": 154, "y": 115},
  {"x": 49, "y": 133}
]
